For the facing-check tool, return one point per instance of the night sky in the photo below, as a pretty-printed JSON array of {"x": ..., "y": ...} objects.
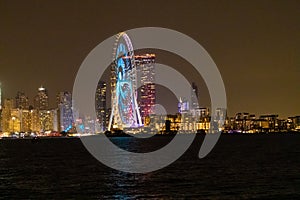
[{"x": 255, "y": 44}]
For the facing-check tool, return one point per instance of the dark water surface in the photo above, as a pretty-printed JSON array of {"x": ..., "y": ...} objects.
[{"x": 239, "y": 167}]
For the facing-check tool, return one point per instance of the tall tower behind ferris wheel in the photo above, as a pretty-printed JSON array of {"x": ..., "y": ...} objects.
[
  {"x": 145, "y": 65},
  {"x": 125, "y": 112}
]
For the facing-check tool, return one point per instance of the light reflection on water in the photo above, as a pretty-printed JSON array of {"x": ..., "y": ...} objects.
[{"x": 238, "y": 167}]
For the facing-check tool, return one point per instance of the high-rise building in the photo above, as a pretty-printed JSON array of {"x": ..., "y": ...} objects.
[
  {"x": 0, "y": 96},
  {"x": 65, "y": 114},
  {"x": 47, "y": 120},
  {"x": 41, "y": 101},
  {"x": 26, "y": 120},
  {"x": 100, "y": 106},
  {"x": 145, "y": 65},
  {"x": 15, "y": 122},
  {"x": 21, "y": 101},
  {"x": 0, "y": 107},
  {"x": 183, "y": 106},
  {"x": 194, "y": 96},
  {"x": 108, "y": 113},
  {"x": 35, "y": 125},
  {"x": 6, "y": 115}
]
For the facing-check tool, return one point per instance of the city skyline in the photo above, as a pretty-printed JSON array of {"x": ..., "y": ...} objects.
[
  {"x": 102, "y": 91},
  {"x": 255, "y": 45},
  {"x": 133, "y": 97},
  {"x": 152, "y": 99}
]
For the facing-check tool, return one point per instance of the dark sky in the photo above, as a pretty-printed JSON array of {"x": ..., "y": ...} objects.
[{"x": 255, "y": 44}]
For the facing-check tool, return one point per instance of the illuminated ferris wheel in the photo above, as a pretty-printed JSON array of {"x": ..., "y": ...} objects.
[{"x": 125, "y": 112}]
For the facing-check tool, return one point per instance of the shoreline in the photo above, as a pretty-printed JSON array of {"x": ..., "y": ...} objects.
[{"x": 124, "y": 135}]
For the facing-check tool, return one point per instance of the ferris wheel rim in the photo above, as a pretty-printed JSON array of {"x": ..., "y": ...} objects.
[{"x": 129, "y": 52}]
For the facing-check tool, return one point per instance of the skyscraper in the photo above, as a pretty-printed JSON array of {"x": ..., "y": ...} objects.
[
  {"x": 41, "y": 101},
  {"x": 0, "y": 96},
  {"x": 183, "y": 106},
  {"x": 194, "y": 97},
  {"x": 7, "y": 115},
  {"x": 0, "y": 107},
  {"x": 21, "y": 101},
  {"x": 65, "y": 114},
  {"x": 145, "y": 65},
  {"x": 100, "y": 106},
  {"x": 47, "y": 120}
]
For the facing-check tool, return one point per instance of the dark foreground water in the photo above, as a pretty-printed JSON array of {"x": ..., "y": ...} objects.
[{"x": 239, "y": 167}]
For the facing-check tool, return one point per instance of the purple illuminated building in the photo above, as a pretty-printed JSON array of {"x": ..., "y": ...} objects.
[{"x": 145, "y": 65}]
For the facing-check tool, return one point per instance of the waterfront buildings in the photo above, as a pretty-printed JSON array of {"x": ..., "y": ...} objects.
[
  {"x": 64, "y": 111},
  {"x": 100, "y": 105},
  {"x": 41, "y": 100},
  {"x": 7, "y": 118},
  {"x": 18, "y": 116},
  {"x": 22, "y": 101},
  {"x": 0, "y": 96},
  {"x": 183, "y": 105},
  {"x": 145, "y": 65},
  {"x": 194, "y": 97}
]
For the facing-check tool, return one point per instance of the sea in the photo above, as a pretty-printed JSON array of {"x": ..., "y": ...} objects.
[{"x": 239, "y": 167}]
